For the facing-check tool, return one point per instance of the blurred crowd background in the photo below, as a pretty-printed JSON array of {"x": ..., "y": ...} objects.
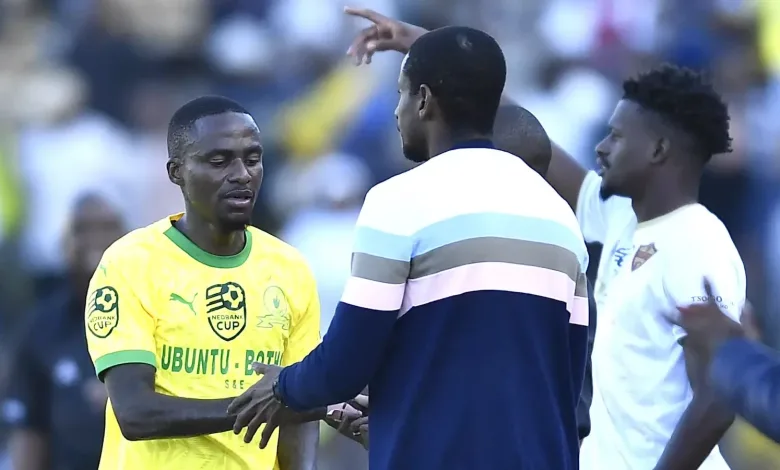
[{"x": 87, "y": 87}]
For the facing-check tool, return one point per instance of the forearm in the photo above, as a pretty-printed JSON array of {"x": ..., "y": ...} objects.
[
  {"x": 701, "y": 427},
  {"x": 341, "y": 366},
  {"x": 157, "y": 416},
  {"x": 297, "y": 448},
  {"x": 747, "y": 376}
]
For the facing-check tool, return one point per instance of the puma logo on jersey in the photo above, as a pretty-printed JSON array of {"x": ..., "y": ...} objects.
[{"x": 177, "y": 298}]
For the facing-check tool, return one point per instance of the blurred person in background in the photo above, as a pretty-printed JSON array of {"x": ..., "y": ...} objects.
[
  {"x": 154, "y": 195},
  {"x": 54, "y": 403},
  {"x": 336, "y": 185},
  {"x": 64, "y": 149}
]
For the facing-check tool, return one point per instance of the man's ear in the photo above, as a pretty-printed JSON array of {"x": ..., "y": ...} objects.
[
  {"x": 425, "y": 109},
  {"x": 174, "y": 171},
  {"x": 661, "y": 151}
]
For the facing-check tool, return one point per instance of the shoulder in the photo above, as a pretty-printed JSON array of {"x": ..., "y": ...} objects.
[
  {"x": 701, "y": 247},
  {"x": 702, "y": 236},
  {"x": 136, "y": 249},
  {"x": 387, "y": 203}
]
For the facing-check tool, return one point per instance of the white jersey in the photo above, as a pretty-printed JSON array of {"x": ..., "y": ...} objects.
[{"x": 640, "y": 386}]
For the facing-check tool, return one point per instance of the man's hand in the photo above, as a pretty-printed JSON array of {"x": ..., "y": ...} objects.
[
  {"x": 707, "y": 326},
  {"x": 385, "y": 34},
  {"x": 352, "y": 420},
  {"x": 359, "y": 429},
  {"x": 258, "y": 405}
]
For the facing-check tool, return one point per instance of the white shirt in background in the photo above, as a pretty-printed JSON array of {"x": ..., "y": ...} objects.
[
  {"x": 324, "y": 237},
  {"x": 640, "y": 386},
  {"x": 59, "y": 164}
]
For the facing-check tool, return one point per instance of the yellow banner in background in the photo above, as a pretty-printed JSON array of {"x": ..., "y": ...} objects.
[
  {"x": 11, "y": 200},
  {"x": 311, "y": 125},
  {"x": 769, "y": 34}
]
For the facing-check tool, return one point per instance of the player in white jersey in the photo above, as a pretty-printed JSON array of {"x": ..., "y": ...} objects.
[{"x": 652, "y": 409}]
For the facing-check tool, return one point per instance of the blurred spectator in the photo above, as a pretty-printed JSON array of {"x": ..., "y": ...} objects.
[
  {"x": 63, "y": 138},
  {"x": 322, "y": 228},
  {"x": 157, "y": 197},
  {"x": 55, "y": 404}
]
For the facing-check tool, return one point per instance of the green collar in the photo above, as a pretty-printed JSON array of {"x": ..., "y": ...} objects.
[{"x": 202, "y": 256}]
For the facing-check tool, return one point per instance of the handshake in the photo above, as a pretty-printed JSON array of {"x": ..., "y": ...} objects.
[{"x": 351, "y": 419}]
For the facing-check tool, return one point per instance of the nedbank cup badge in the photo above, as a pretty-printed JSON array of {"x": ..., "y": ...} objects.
[
  {"x": 226, "y": 309},
  {"x": 103, "y": 316},
  {"x": 643, "y": 254}
]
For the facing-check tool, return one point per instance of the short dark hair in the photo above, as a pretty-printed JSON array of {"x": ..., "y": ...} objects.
[
  {"x": 185, "y": 117},
  {"x": 465, "y": 70},
  {"x": 518, "y": 132},
  {"x": 686, "y": 100}
]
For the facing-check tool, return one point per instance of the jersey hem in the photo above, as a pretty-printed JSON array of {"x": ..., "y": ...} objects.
[{"x": 131, "y": 356}]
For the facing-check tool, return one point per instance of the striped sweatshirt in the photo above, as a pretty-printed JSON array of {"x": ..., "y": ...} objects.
[{"x": 466, "y": 314}]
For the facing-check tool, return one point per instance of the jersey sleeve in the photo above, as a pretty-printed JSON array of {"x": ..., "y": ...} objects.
[
  {"x": 364, "y": 320},
  {"x": 595, "y": 214},
  {"x": 119, "y": 328},
  {"x": 684, "y": 284},
  {"x": 305, "y": 327}
]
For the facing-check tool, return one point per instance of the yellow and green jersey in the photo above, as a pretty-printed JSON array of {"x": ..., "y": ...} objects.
[{"x": 200, "y": 320}]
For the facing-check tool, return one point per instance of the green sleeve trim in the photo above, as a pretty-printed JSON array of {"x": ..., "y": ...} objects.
[{"x": 131, "y": 356}]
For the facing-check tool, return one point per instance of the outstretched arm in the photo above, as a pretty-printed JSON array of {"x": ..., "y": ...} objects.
[{"x": 145, "y": 414}]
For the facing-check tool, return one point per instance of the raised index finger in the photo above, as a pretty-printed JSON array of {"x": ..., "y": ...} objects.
[{"x": 366, "y": 13}]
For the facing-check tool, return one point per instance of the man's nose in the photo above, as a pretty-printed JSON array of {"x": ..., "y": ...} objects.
[
  {"x": 601, "y": 150},
  {"x": 240, "y": 173}
]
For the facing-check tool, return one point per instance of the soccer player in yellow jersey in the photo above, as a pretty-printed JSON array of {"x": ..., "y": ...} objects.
[{"x": 178, "y": 311}]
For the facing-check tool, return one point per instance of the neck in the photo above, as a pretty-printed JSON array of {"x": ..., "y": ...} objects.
[
  {"x": 663, "y": 196},
  {"x": 444, "y": 140},
  {"x": 210, "y": 238}
]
